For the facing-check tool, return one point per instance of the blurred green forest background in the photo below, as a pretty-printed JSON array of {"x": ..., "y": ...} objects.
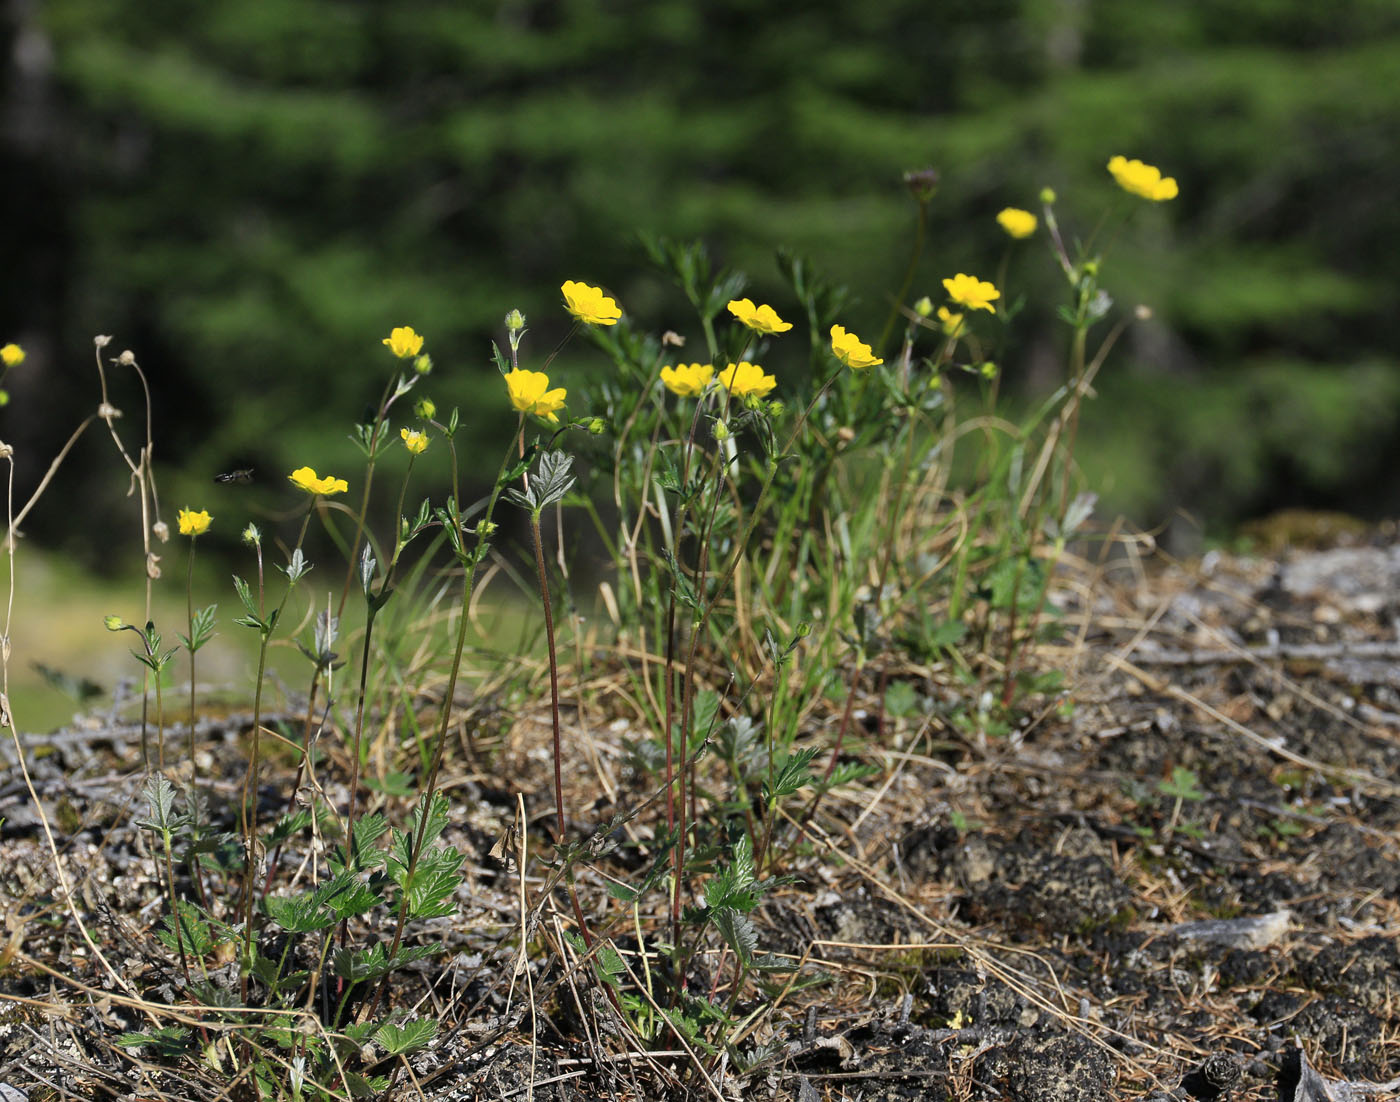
[{"x": 250, "y": 195}]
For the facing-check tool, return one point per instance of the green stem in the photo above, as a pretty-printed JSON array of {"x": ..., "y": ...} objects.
[
  {"x": 249, "y": 811},
  {"x": 189, "y": 622}
]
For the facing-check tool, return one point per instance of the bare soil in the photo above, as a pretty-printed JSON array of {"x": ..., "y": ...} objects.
[{"x": 1028, "y": 917}]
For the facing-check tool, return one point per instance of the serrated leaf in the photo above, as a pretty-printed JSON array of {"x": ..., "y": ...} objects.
[
  {"x": 793, "y": 774},
  {"x": 298, "y": 914},
  {"x": 160, "y": 802},
  {"x": 188, "y": 927},
  {"x": 399, "y": 1040}
]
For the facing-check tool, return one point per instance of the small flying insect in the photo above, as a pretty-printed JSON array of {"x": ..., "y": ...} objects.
[{"x": 245, "y": 475}]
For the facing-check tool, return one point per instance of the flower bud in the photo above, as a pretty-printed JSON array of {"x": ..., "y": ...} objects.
[
  {"x": 423, "y": 364},
  {"x": 114, "y": 623},
  {"x": 924, "y": 307},
  {"x": 721, "y": 431},
  {"x": 922, "y": 183},
  {"x": 596, "y": 425},
  {"x": 988, "y": 370},
  {"x": 1047, "y": 195},
  {"x": 515, "y": 321},
  {"x": 425, "y": 409},
  {"x": 251, "y": 536}
]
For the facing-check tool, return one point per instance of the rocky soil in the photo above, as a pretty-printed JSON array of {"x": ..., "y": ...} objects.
[{"x": 1186, "y": 886}]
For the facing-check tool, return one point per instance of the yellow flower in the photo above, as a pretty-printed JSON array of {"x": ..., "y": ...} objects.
[
  {"x": 530, "y": 393},
  {"x": 1140, "y": 179},
  {"x": 589, "y": 304},
  {"x": 952, "y": 323},
  {"x": 415, "y": 440},
  {"x": 12, "y": 354},
  {"x": 971, "y": 292},
  {"x": 744, "y": 378},
  {"x": 192, "y": 523},
  {"x": 763, "y": 319},
  {"x": 403, "y": 342},
  {"x": 1017, "y": 222},
  {"x": 687, "y": 380},
  {"x": 306, "y": 478},
  {"x": 850, "y": 351}
]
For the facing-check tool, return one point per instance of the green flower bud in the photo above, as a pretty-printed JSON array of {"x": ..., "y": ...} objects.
[
  {"x": 114, "y": 623},
  {"x": 423, "y": 364},
  {"x": 425, "y": 409},
  {"x": 924, "y": 307},
  {"x": 1047, "y": 195}
]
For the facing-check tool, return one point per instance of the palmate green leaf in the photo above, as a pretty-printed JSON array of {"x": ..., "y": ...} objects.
[
  {"x": 160, "y": 803},
  {"x": 245, "y": 595},
  {"x": 202, "y": 624},
  {"x": 735, "y": 886},
  {"x": 399, "y": 855},
  {"x": 345, "y": 895},
  {"x": 608, "y": 964},
  {"x": 298, "y": 914},
  {"x": 365, "y": 1086},
  {"x": 738, "y": 932},
  {"x": 190, "y": 927},
  {"x": 793, "y": 774},
  {"x": 368, "y": 829},
  {"x": 167, "y": 1041},
  {"x": 434, "y": 882},
  {"x": 357, "y": 965},
  {"x": 287, "y": 826},
  {"x": 399, "y": 1040},
  {"x": 554, "y": 479}
]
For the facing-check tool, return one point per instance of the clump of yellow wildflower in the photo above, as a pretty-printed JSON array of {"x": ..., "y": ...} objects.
[
  {"x": 1016, "y": 222},
  {"x": 744, "y": 378},
  {"x": 306, "y": 479},
  {"x": 192, "y": 523},
  {"x": 530, "y": 393},
  {"x": 1141, "y": 179},
  {"x": 849, "y": 349},
  {"x": 761, "y": 319},
  {"x": 589, "y": 304},
  {"x": 415, "y": 440},
  {"x": 403, "y": 342},
  {"x": 12, "y": 354},
  {"x": 974, "y": 293},
  {"x": 687, "y": 380}
]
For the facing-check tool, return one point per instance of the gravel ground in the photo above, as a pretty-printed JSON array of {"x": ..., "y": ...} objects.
[{"x": 1030, "y": 917}]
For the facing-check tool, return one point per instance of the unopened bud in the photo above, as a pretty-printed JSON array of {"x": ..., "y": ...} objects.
[
  {"x": 596, "y": 425},
  {"x": 924, "y": 307},
  {"x": 127, "y": 358},
  {"x": 922, "y": 183},
  {"x": 515, "y": 321},
  {"x": 423, "y": 364},
  {"x": 251, "y": 536},
  {"x": 114, "y": 623},
  {"x": 425, "y": 409},
  {"x": 1047, "y": 195},
  {"x": 721, "y": 431}
]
